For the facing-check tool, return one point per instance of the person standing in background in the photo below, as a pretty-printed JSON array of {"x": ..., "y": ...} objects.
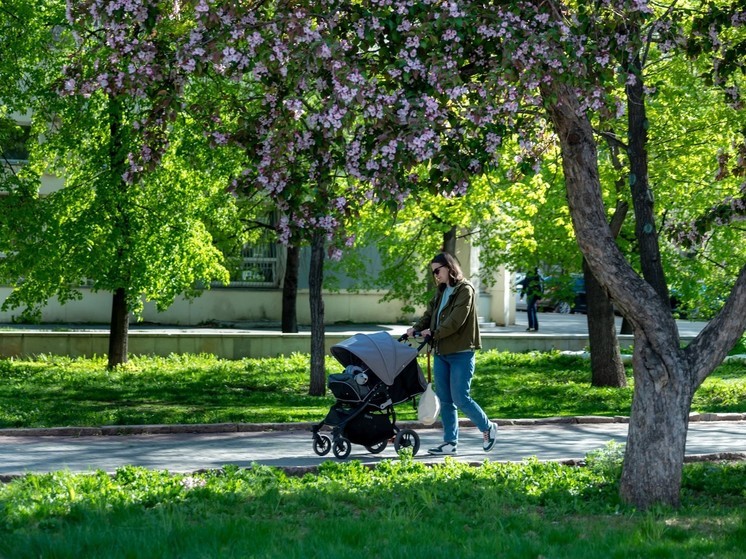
[
  {"x": 451, "y": 321},
  {"x": 532, "y": 289}
]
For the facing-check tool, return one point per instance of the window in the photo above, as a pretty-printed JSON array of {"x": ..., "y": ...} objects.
[
  {"x": 258, "y": 264},
  {"x": 14, "y": 141}
]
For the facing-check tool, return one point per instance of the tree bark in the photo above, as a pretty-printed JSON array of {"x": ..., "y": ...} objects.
[
  {"x": 666, "y": 378},
  {"x": 119, "y": 326},
  {"x": 642, "y": 198},
  {"x": 607, "y": 368},
  {"x": 659, "y": 420},
  {"x": 290, "y": 290},
  {"x": 118, "y": 329},
  {"x": 315, "y": 282},
  {"x": 661, "y": 401}
]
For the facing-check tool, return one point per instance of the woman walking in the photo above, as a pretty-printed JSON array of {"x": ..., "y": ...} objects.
[{"x": 451, "y": 321}]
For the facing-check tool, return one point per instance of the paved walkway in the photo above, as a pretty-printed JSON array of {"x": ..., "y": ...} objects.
[
  {"x": 293, "y": 449},
  {"x": 549, "y": 324}
]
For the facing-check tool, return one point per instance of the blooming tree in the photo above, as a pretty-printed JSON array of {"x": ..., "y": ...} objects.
[
  {"x": 378, "y": 101},
  {"x": 443, "y": 82},
  {"x": 132, "y": 217}
]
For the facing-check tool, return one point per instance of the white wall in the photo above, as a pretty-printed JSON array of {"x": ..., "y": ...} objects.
[
  {"x": 226, "y": 305},
  {"x": 242, "y": 305}
]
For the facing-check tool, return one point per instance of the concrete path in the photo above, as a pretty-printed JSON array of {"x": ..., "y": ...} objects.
[
  {"x": 293, "y": 448},
  {"x": 549, "y": 324},
  {"x": 564, "y": 332}
]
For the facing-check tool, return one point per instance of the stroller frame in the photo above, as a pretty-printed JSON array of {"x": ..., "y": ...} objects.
[
  {"x": 339, "y": 440},
  {"x": 371, "y": 419}
]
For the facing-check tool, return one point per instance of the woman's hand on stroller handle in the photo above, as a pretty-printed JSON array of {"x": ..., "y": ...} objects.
[
  {"x": 415, "y": 334},
  {"x": 410, "y": 333}
]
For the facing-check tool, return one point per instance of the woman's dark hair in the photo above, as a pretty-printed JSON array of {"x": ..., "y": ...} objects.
[{"x": 455, "y": 274}]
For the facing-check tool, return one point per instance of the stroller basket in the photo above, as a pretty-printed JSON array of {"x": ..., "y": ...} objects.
[{"x": 366, "y": 428}]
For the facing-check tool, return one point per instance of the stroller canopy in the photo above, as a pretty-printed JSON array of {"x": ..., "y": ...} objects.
[{"x": 379, "y": 351}]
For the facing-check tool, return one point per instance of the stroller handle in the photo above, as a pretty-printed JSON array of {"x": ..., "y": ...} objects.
[{"x": 428, "y": 339}]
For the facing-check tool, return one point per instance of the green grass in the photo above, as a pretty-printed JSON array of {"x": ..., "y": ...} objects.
[
  {"x": 401, "y": 508},
  {"x": 59, "y": 391},
  {"x": 739, "y": 348}
]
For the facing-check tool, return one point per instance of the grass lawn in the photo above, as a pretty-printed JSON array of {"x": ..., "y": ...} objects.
[
  {"x": 399, "y": 508},
  {"x": 59, "y": 391}
]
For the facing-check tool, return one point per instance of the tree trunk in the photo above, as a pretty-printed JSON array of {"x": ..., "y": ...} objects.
[
  {"x": 315, "y": 282},
  {"x": 290, "y": 291},
  {"x": 660, "y": 404},
  {"x": 642, "y": 198},
  {"x": 607, "y": 368},
  {"x": 119, "y": 326},
  {"x": 118, "y": 329},
  {"x": 449, "y": 241},
  {"x": 659, "y": 420},
  {"x": 666, "y": 376}
]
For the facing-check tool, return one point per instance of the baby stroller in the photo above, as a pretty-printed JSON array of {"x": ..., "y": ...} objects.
[{"x": 379, "y": 373}]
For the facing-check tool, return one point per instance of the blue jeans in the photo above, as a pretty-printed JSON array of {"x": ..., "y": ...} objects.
[
  {"x": 533, "y": 319},
  {"x": 453, "y": 374}
]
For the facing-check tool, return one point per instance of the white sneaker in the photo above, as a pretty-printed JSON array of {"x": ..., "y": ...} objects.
[
  {"x": 444, "y": 449},
  {"x": 490, "y": 436}
]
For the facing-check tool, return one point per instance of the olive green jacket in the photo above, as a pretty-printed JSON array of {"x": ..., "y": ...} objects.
[{"x": 458, "y": 328}]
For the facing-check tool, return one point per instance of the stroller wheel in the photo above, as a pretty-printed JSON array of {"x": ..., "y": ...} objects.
[
  {"x": 376, "y": 448},
  {"x": 407, "y": 438},
  {"x": 322, "y": 444},
  {"x": 342, "y": 448}
]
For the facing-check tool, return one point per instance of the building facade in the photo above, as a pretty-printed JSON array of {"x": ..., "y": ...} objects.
[{"x": 254, "y": 295}]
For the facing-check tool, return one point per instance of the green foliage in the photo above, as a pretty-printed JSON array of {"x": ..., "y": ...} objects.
[
  {"x": 530, "y": 509},
  {"x": 607, "y": 461},
  {"x": 151, "y": 235},
  {"x": 150, "y": 239},
  {"x": 551, "y": 384},
  {"x": 740, "y": 347},
  {"x": 695, "y": 172},
  {"x": 722, "y": 393},
  {"x": 518, "y": 221},
  {"x": 189, "y": 388},
  {"x": 518, "y": 216},
  {"x": 686, "y": 115},
  {"x": 725, "y": 480}
]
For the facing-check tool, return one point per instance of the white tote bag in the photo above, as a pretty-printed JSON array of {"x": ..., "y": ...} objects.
[{"x": 429, "y": 406}]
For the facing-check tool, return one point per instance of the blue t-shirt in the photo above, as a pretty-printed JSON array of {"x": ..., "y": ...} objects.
[{"x": 443, "y": 302}]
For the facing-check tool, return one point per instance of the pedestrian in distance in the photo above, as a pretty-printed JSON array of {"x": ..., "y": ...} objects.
[
  {"x": 532, "y": 289},
  {"x": 451, "y": 321}
]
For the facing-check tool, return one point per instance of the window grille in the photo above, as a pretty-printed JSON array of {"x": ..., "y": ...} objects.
[{"x": 259, "y": 263}]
